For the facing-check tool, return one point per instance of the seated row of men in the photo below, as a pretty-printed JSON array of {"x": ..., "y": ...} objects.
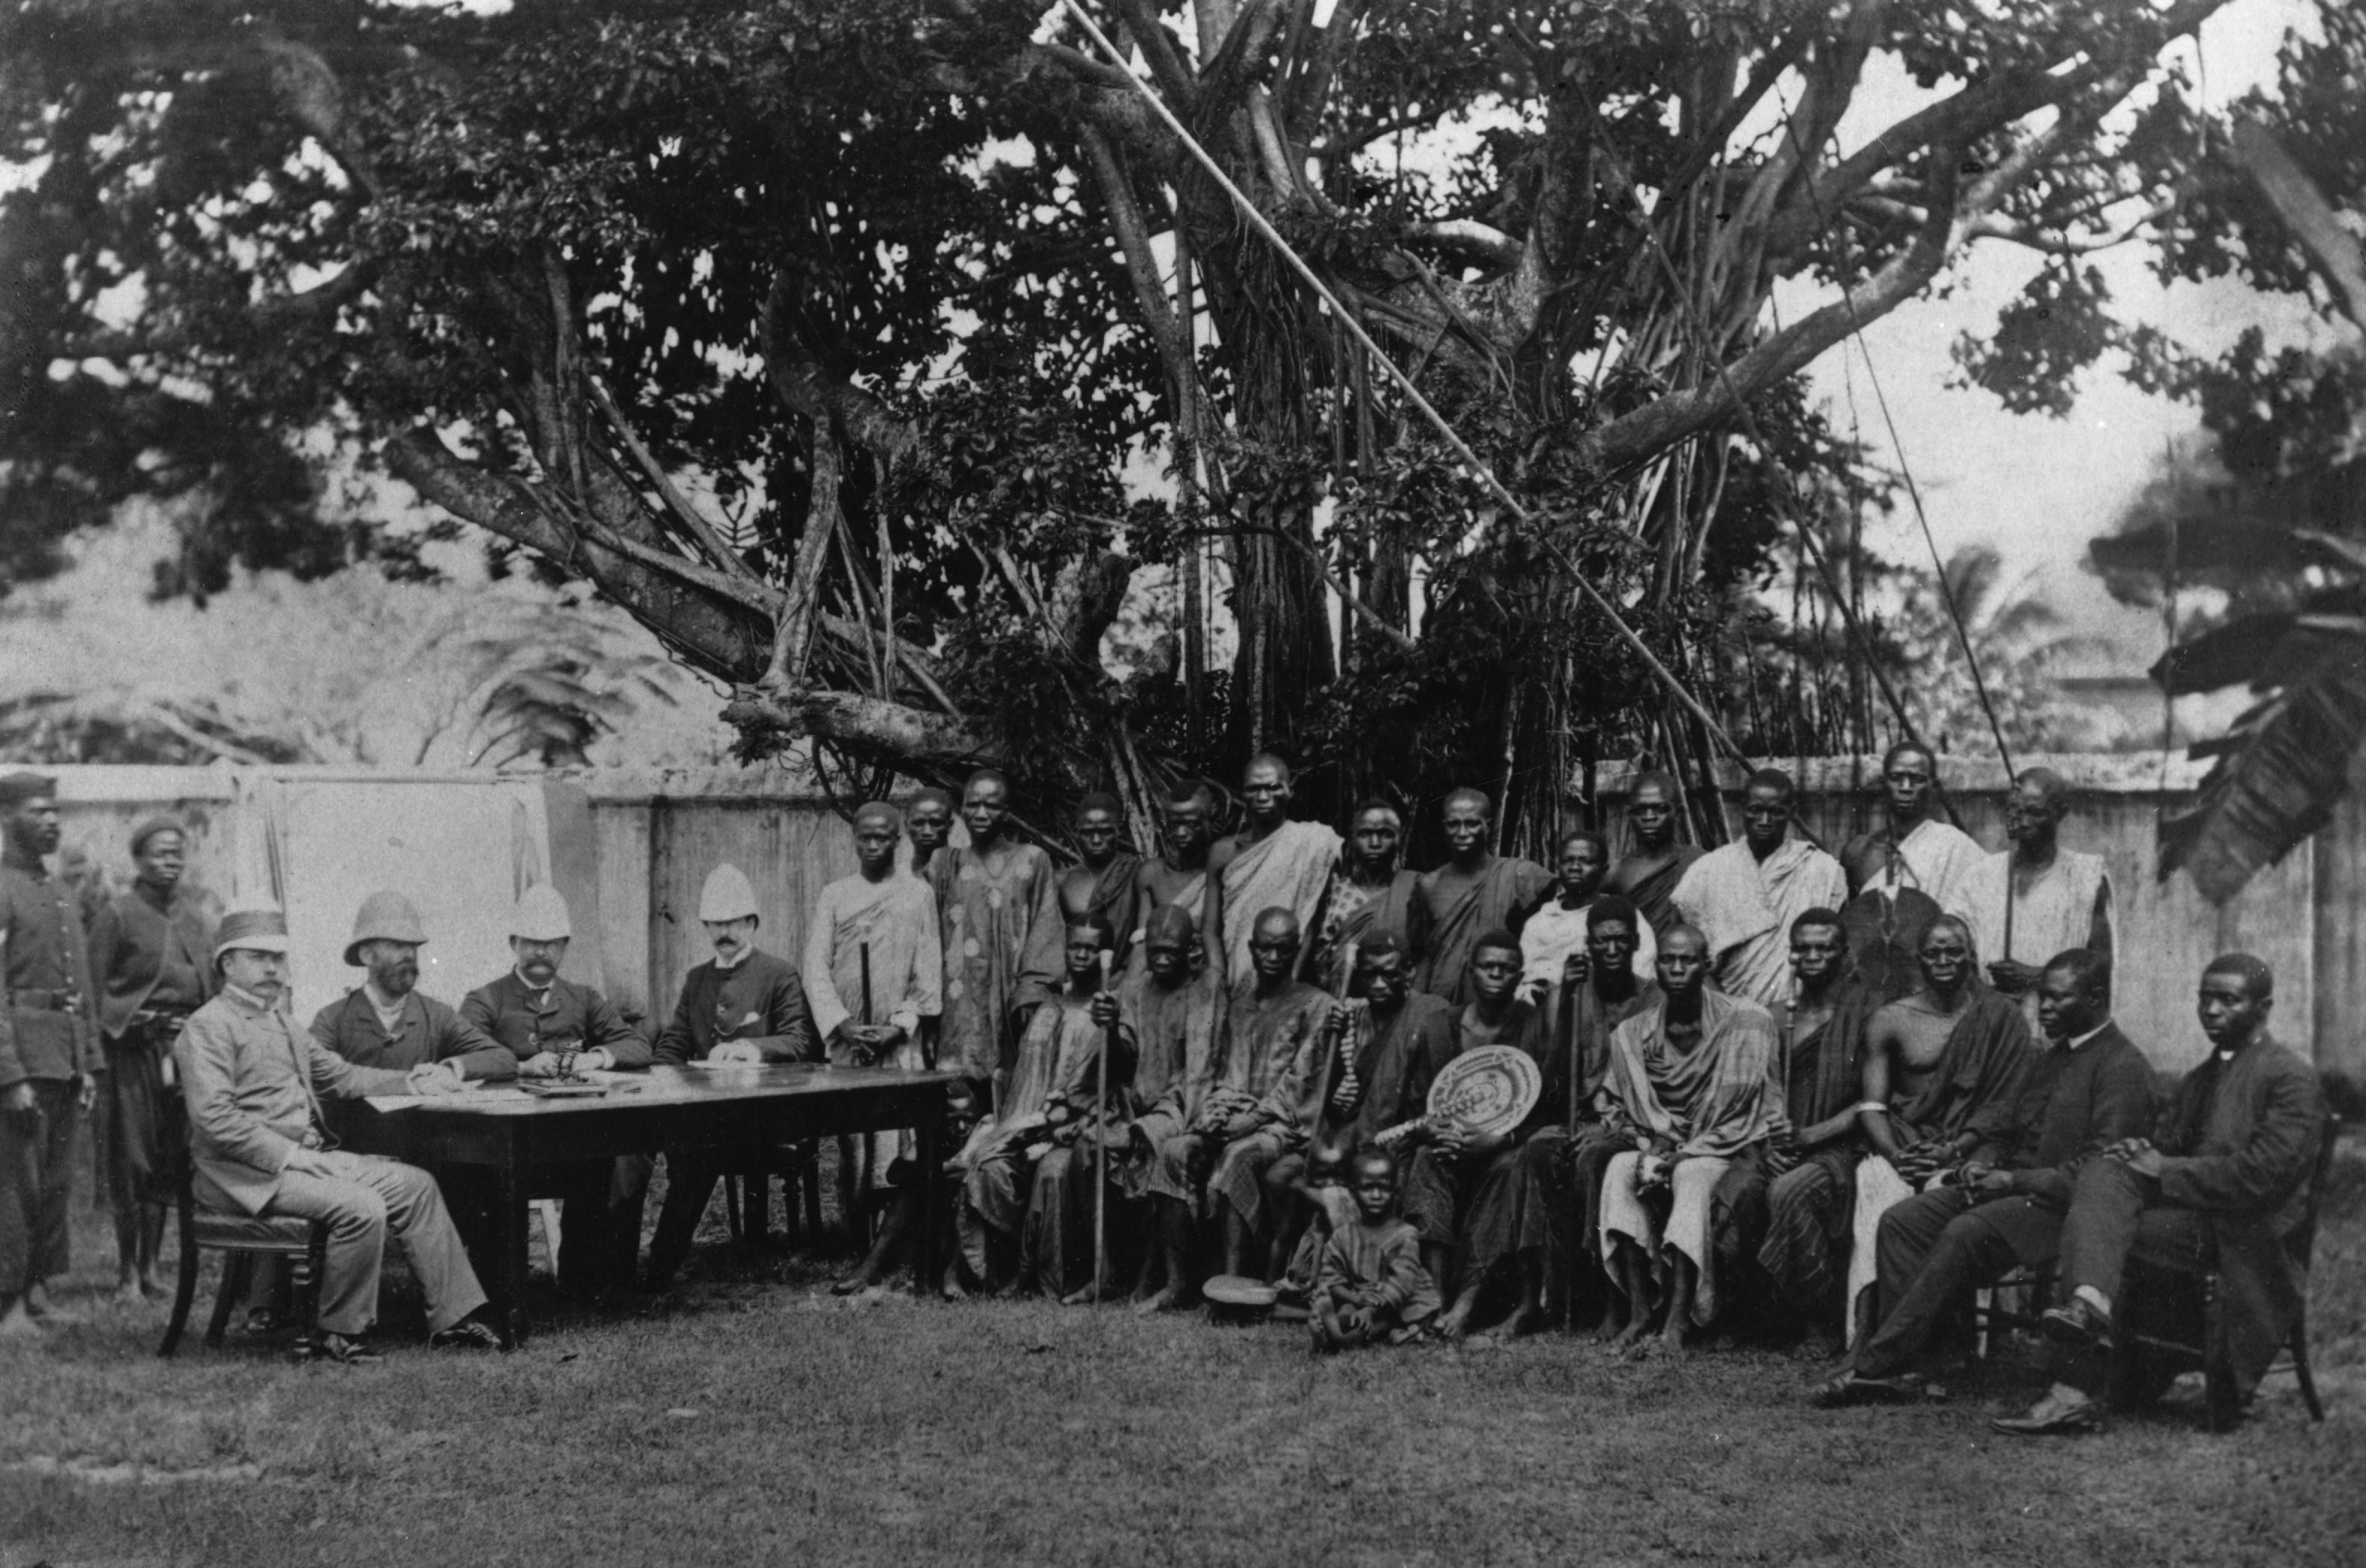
[{"x": 1692, "y": 1148}]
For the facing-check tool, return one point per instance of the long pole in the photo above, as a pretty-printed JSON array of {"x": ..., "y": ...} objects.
[
  {"x": 1100, "y": 1146},
  {"x": 1346, "y": 319}
]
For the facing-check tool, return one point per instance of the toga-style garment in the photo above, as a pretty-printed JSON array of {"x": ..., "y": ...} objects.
[
  {"x": 1000, "y": 914},
  {"x": 1648, "y": 881},
  {"x": 2053, "y": 915},
  {"x": 1553, "y": 933},
  {"x": 1179, "y": 1044},
  {"x": 1715, "y": 1103},
  {"x": 896, "y": 920},
  {"x": 1934, "y": 859},
  {"x": 1057, "y": 1055},
  {"x": 1353, "y": 913},
  {"x": 1288, "y": 869},
  {"x": 1813, "y": 1207},
  {"x": 1273, "y": 1051},
  {"x": 1117, "y": 896},
  {"x": 1973, "y": 1088},
  {"x": 1745, "y": 907},
  {"x": 1459, "y": 917},
  {"x": 1491, "y": 1206}
]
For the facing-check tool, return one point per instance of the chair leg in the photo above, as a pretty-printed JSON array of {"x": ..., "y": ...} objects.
[
  {"x": 310, "y": 1270},
  {"x": 185, "y": 1293},
  {"x": 237, "y": 1268},
  {"x": 730, "y": 1203},
  {"x": 2300, "y": 1368},
  {"x": 812, "y": 1161}
]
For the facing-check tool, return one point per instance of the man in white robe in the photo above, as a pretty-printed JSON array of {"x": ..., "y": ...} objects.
[{"x": 1743, "y": 896}]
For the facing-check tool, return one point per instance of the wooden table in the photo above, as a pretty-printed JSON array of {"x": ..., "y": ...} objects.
[{"x": 738, "y": 1110}]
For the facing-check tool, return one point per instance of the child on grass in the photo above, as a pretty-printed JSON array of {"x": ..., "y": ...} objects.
[{"x": 1371, "y": 1285}]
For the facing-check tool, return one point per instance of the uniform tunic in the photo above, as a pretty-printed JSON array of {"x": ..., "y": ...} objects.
[
  {"x": 46, "y": 1040},
  {"x": 152, "y": 954}
]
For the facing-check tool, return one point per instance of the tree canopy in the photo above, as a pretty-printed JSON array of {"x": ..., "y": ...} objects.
[{"x": 820, "y": 334}]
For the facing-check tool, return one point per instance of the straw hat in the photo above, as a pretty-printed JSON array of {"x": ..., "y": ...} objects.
[
  {"x": 384, "y": 917},
  {"x": 265, "y": 930}
]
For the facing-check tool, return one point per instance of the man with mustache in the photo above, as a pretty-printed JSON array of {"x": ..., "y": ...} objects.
[
  {"x": 743, "y": 1005},
  {"x": 50, "y": 1057},
  {"x": 544, "y": 1019},
  {"x": 385, "y": 1022},
  {"x": 254, "y": 1087}
]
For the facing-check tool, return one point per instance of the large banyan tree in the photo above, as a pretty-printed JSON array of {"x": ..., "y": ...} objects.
[{"x": 877, "y": 354}]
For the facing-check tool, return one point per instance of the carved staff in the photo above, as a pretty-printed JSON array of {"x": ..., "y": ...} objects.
[{"x": 1100, "y": 1143}]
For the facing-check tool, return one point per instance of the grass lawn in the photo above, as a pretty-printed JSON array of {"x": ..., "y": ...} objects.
[{"x": 753, "y": 1418}]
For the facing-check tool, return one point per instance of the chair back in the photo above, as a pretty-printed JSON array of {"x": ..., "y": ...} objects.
[{"x": 2302, "y": 1243}]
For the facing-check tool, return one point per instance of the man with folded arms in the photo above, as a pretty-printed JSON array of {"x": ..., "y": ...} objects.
[
  {"x": 2224, "y": 1175},
  {"x": 548, "y": 1022},
  {"x": 2003, "y": 1207},
  {"x": 253, "y": 1085}
]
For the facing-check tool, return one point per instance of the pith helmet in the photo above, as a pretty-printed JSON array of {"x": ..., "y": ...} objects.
[
  {"x": 728, "y": 895},
  {"x": 541, "y": 915},
  {"x": 384, "y": 917},
  {"x": 265, "y": 930}
]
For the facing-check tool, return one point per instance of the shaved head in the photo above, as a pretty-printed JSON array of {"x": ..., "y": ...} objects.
[
  {"x": 1469, "y": 797},
  {"x": 1266, "y": 760},
  {"x": 1276, "y": 925}
]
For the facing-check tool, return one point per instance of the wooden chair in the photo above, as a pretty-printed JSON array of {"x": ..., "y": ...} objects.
[
  {"x": 2164, "y": 1355},
  {"x": 241, "y": 1238}
]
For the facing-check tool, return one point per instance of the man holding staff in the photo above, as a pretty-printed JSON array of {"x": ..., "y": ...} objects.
[
  {"x": 1177, "y": 1017},
  {"x": 1104, "y": 884},
  {"x": 872, "y": 971},
  {"x": 2036, "y": 899}
]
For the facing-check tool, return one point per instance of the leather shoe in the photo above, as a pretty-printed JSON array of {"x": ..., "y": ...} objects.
[
  {"x": 2077, "y": 1323},
  {"x": 469, "y": 1334},
  {"x": 341, "y": 1348},
  {"x": 2062, "y": 1413}
]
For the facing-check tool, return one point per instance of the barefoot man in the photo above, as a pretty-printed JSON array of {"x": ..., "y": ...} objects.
[
  {"x": 1477, "y": 891},
  {"x": 1273, "y": 862},
  {"x": 1942, "y": 1068},
  {"x": 1263, "y": 1104},
  {"x": 1694, "y": 1090},
  {"x": 1178, "y": 1018},
  {"x": 1481, "y": 1201}
]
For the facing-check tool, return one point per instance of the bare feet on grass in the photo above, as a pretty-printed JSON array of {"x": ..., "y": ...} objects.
[{"x": 1168, "y": 1297}]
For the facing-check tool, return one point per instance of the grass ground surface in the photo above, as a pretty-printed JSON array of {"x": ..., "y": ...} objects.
[{"x": 751, "y": 1418}]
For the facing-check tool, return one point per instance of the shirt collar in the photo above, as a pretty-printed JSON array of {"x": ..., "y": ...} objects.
[
  {"x": 388, "y": 1009},
  {"x": 532, "y": 989},
  {"x": 2075, "y": 1041},
  {"x": 724, "y": 965}
]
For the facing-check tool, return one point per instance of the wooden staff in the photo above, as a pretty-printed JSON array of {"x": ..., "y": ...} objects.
[
  {"x": 2009, "y": 857},
  {"x": 1100, "y": 1144},
  {"x": 1347, "y": 1079}
]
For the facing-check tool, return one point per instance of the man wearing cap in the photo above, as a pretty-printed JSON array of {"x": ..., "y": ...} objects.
[
  {"x": 48, "y": 1054},
  {"x": 873, "y": 970},
  {"x": 385, "y": 1022},
  {"x": 253, "y": 1087},
  {"x": 151, "y": 951},
  {"x": 742, "y": 1005},
  {"x": 542, "y": 1020}
]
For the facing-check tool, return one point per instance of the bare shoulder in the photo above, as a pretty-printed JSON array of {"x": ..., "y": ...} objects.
[
  {"x": 1221, "y": 853},
  {"x": 1892, "y": 1019}
]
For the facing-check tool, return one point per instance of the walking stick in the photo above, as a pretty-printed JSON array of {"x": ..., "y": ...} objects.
[
  {"x": 1100, "y": 1146},
  {"x": 869, "y": 1158},
  {"x": 2007, "y": 953},
  {"x": 1348, "y": 1081}
]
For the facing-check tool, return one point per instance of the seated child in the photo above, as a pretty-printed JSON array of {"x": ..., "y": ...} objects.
[
  {"x": 1372, "y": 1284},
  {"x": 1325, "y": 1195}
]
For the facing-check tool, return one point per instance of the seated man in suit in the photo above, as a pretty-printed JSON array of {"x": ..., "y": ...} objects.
[
  {"x": 2225, "y": 1173},
  {"x": 253, "y": 1086},
  {"x": 548, "y": 1023},
  {"x": 2003, "y": 1207}
]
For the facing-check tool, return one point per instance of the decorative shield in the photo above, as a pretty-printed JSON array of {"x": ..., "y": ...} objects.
[{"x": 1489, "y": 1091}]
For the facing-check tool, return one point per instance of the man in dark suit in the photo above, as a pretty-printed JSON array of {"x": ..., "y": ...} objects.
[
  {"x": 2090, "y": 1089},
  {"x": 548, "y": 1023},
  {"x": 2225, "y": 1175}
]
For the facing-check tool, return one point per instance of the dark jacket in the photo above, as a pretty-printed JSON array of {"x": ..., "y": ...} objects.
[
  {"x": 507, "y": 1010},
  {"x": 2239, "y": 1143},
  {"x": 427, "y": 1032},
  {"x": 50, "y": 1004},
  {"x": 761, "y": 1001},
  {"x": 2074, "y": 1105},
  {"x": 1394, "y": 1067},
  {"x": 136, "y": 940}
]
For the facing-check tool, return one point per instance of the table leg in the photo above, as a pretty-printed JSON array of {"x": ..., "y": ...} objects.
[
  {"x": 930, "y": 1176},
  {"x": 511, "y": 1239}
]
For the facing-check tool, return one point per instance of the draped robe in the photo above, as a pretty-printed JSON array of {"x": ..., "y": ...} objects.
[
  {"x": 1648, "y": 881},
  {"x": 1288, "y": 869},
  {"x": 2054, "y": 915},
  {"x": 1353, "y": 913},
  {"x": 1458, "y": 918},
  {"x": 1745, "y": 907},
  {"x": 1000, "y": 914}
]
